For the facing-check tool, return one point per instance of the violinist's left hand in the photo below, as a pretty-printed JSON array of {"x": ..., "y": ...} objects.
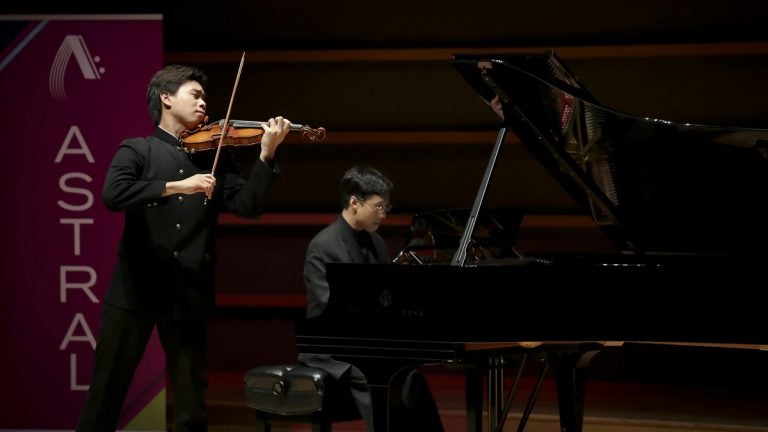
[{"x": 275, "y": 130}]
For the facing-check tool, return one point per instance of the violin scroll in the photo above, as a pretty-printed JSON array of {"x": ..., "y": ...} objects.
[{"x": 313, "y": 134}]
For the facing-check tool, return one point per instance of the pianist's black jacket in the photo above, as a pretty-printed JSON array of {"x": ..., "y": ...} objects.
[{"x": 336, "y": 243}]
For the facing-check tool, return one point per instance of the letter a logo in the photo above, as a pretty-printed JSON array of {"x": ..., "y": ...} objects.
[{"x": 73, "y": 45}]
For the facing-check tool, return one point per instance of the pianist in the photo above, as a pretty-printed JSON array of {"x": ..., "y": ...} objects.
[{"x": 352, "y": 238}]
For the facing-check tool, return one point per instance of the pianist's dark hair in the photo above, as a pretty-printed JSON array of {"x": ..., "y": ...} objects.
[{"x": 363, "y": 181}]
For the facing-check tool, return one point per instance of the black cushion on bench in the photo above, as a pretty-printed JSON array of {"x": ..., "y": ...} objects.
[
  {"x": 288, "y": 390},
  {"x": 297, "y": 393}
]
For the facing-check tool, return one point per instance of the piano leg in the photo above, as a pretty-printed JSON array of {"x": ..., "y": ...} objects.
[
  {"x": 383, "y": 407},
  {"x": 498, "y": 417},
  {"x": 385, "y": 380},
  {"x": 570, "y": 376},
  {"x": 571, "y": 379},
  {"x": 473, "y": 394},
  {"x": 495, "y": 391},
  {"x": 498, "y": 405}
]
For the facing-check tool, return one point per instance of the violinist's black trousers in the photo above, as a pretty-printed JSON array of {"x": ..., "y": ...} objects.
[{"x": 123, "y": 337}]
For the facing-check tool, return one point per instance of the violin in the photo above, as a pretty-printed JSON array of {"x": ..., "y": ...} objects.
[{"x": 238, "y": 133}]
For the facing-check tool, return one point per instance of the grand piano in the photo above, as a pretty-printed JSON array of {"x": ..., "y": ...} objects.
[{"x": 685, "y": 204}]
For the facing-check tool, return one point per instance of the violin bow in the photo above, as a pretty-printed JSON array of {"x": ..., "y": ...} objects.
[{"x": 225, "y": 126}]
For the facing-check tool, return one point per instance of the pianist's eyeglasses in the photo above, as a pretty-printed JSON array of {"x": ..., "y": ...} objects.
[{"x": 379, "y": 207}]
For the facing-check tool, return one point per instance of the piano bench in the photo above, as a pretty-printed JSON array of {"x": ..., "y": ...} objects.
[{"x": 294, "y": 393}]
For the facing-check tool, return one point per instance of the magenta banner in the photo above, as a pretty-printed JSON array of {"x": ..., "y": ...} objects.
[{"x": 72, "y": 87}]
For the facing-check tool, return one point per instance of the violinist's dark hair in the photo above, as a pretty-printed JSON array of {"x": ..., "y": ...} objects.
[
  {"x": 169, "y": 79},
  {"x": 362, "y": 181}
]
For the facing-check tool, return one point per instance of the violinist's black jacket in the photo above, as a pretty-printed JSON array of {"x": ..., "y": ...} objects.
[{"x": 166, "y": 257}]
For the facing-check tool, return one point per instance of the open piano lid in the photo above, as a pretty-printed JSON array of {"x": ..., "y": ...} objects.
[{"x": 652, "y": 185}]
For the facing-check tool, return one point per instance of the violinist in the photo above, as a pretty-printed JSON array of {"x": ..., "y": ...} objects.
[{"x": 164, "y": 274}]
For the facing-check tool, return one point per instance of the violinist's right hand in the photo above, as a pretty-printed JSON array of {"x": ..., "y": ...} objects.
[{"x": 204, "y": 183}]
